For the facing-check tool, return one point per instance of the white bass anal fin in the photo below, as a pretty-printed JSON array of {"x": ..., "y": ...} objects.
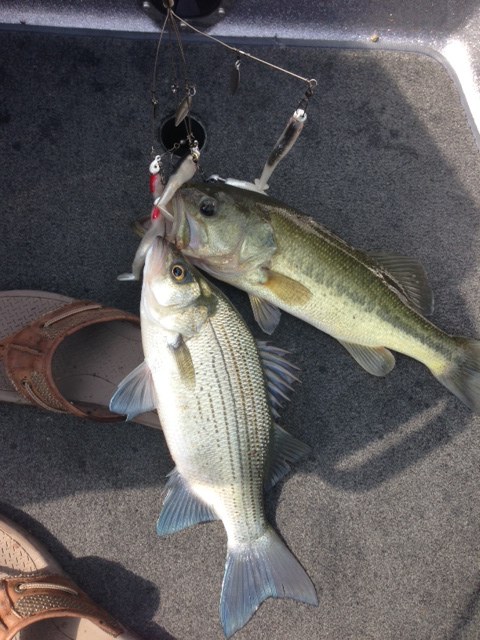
[
  {"x": 409, "y": 279},
  {"x": 135, "y": 394},
  {"x": 181, "y": 508},
  {"x": 376, "y": 360}
]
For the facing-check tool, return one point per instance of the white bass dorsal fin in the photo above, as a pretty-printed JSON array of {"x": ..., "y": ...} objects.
[
  {"x": 135, "y": 394},
  {"x": 280, "y": 373}
]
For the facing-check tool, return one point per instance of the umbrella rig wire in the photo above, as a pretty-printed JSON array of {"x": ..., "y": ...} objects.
[
  {"x": 164, "y": 190},
  {"x": 184, "y": 90}
]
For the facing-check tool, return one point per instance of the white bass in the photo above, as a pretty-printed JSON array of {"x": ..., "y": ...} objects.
[{"x": 203, "y": 372}]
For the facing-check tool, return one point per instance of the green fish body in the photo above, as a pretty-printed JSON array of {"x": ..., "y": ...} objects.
[
  {"x": 203, "y": 372},
  {"x": 370, "y": 302}
]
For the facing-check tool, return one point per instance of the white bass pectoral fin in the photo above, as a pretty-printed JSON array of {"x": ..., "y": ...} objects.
[
  {"x": 376, "y": 360},
  {"x": 135, "y": 394},
  {"x": 409, "y": 280},
  {"x": 181, "y": 508},
  {"x": 285, "y": 451},
  {"x": 264, "y": 568},
  {"x": 280, "y": 373},
  {"x": 267, "y": 315},
  {"x": 287, "y": 289},
  {"x": 183, "y": 359}
]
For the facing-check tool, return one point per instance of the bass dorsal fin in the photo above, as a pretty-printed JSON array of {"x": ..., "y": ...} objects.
[{"x": 408, "y": 279}]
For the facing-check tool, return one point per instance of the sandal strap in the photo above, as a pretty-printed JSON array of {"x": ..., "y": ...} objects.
[
  {"x": 25, "y": 600},
  {"x": 28, "y": 354}
]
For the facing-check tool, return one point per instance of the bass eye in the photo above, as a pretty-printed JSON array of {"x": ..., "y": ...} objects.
[
  {"x": 208, "y": 207},
  {"x": 179, "y": 272}
]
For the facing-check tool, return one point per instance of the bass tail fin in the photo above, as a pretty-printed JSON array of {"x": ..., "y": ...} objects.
[
  {"x": 257, "y": 571},
  {"x": 462, "y": 377}
]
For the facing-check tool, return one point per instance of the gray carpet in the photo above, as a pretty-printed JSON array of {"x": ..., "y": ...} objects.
[{"x": 385, "y": 513}]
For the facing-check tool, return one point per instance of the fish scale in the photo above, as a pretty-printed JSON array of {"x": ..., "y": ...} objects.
[
  {"x": 194, "y": 448},
  {"x": 370, "y": 302},
  {"x": 203, "y": 372},
  {"x": 347, "y": 296}
]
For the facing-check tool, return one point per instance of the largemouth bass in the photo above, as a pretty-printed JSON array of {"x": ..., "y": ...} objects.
[
  {"x": 369, "y": 302},
  {"x": 203, "y": 372}
]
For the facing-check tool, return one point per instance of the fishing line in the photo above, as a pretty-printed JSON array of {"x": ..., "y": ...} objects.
[
  {"x": 183, "y": 106},
  {"x": 183, "y": 109},
  {"x": 311, "y": 82},
  {"x": 153, "y": 89}
]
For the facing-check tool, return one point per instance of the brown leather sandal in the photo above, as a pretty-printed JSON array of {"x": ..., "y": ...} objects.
[
  {"x": 39, "y": 602},
  {"x": 66, "y": 355}
]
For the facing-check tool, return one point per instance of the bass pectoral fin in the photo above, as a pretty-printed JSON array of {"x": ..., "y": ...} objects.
[
  {"x": 183, "y": 359},
  {"x": 376, "y": 360},
  {"x": 287, "y": 289},
  {"x": 135, "y": 394},
  {"x": 267, "y": 315},
  {"x": 181, "y": 508}
]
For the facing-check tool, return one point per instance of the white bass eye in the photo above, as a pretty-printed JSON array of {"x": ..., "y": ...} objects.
[{"x": 179, "y": 272}]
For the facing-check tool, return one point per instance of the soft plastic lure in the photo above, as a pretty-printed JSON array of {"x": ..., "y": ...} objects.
[
  {"x": 163, "y": 195},
  {"x": 281, "y": 148}
]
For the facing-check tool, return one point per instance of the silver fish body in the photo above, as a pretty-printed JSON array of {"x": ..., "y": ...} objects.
[
  {"x": 205, "y": 377},
  {"x": 216, "y": 420},
  {"x": 284, "y": 260}
]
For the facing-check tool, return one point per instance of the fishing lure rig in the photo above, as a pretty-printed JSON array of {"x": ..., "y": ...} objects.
[
  {"x": 283, "y": 145},
  {"x": 184, "y": 90}
]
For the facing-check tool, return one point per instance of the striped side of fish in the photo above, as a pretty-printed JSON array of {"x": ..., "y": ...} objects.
[{"x": 204, "y": 374}]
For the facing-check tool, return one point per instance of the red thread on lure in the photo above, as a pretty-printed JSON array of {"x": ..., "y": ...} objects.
[{"x": 153, "y": 182}]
